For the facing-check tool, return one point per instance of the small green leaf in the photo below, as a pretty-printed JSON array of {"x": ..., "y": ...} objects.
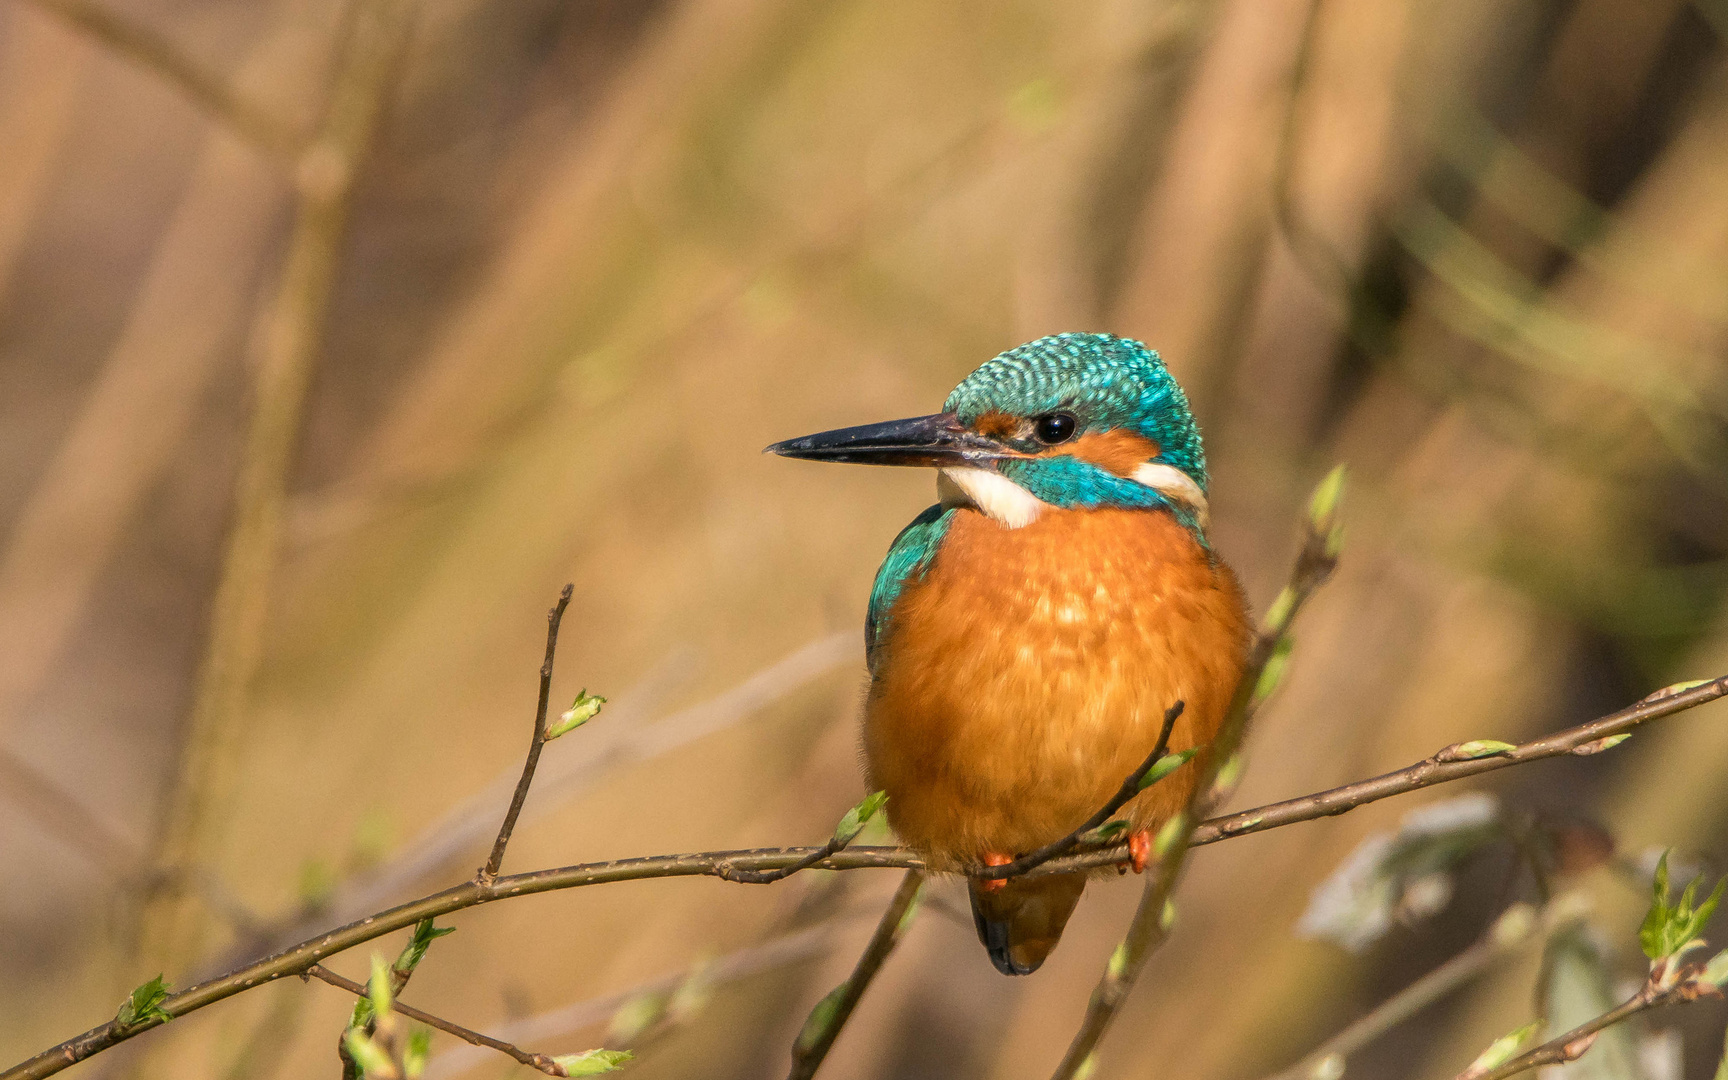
[
  {"x": 1503, "y": 1049},
  {"x": 1273, "y": 673},
  {"x": 144, "y": 1004},
  {"x": 380, "y": 987},
  {"x": 1479, "y": 748},
  {"x": 852, "y": 823},
  {"x": 415, "y": 951},
  {"x": 1166, "y": 765},
  {"x": 593, "y": 1062},
  {"x": 1228, "y": 776},
  {"x": 1279, "y": 613},
  {"x": 636, "y": 1016},
  {"x": 1670, "y": 929},
  {"x": 1168, "y": 833},
  {"x": 374, "y": 1062},
  {"x": 1108, "y": 831},
  {"x": 821, "y": 1018},
  {"x": 1088, "y": 1065},
  {"x": 1118, "y": 965},
  {"x": 1716, "y": 970},
  {"x": 1167, "y": 917},
  {"x": 584, "y": 709},
  {"x": 1596, "y": 746},
  {"x": 1323, "y": 504},
  {"x": 419, "y": 1050},
  {"x": 1677, "y": 688},
  {"x": 317, "y": 883}
]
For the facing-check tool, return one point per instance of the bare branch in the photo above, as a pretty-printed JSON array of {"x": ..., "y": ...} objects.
[
  {"x": 831, "y": 1014},
  {"x": 554, "y": 618},
  {"x": 533, "y": 1061},
  {"x": 205, "y": 89},
  {"x": 297, "y": 958}
]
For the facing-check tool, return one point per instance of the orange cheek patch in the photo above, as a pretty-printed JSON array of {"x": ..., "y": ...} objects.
[
  {"x": 997, "y": 425},
  {"x": 1120, "y": 452}
]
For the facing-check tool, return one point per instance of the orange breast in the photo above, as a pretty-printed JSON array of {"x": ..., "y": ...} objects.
[{"x": 1028, "y": 672}]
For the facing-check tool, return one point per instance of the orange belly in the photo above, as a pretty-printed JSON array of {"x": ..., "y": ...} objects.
[{"x": 1027, "y": 673}]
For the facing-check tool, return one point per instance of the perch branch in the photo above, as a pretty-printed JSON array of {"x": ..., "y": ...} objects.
[
  {"x": 1440, "y": 768},
  {"x": 533, "y": 1061},
  {"x": 488, "y": 873}
]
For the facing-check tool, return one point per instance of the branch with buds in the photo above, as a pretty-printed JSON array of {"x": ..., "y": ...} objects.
[{"x": 1090, "y": 847}]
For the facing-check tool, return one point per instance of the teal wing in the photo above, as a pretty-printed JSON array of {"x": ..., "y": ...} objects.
[{"x": 909, "y": 556}]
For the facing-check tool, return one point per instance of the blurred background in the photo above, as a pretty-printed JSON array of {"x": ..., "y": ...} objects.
[{"x": 336, "y": 335}]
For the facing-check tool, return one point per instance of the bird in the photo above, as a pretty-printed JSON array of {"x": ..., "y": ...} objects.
[{"x": 1026, "y": 634}]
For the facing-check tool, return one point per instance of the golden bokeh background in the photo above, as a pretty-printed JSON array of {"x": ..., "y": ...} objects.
[{"x": 552, "y": 272}]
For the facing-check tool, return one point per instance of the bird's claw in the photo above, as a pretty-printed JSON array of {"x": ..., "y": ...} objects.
[
  {"x": 995, "y": 858},
  {"x": 1139, "y": 849}
]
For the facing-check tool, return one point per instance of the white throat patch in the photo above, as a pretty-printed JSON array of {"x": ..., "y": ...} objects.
[
  {"x": 998, "y": 497},
  {"x": 1177, "y": 486},
  {"x": 1013, "y": 507}
]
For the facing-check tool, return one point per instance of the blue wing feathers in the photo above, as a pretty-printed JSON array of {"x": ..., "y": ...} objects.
[{"x": 909, "y": 557}]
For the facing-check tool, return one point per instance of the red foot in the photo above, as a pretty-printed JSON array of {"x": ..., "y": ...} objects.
[
  {"x": 995, "y": 858},
  {"x": 1139, "y": 849}
]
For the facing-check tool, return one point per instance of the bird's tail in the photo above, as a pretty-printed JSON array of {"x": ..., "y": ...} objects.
[{"x": 1020, "y": 922}]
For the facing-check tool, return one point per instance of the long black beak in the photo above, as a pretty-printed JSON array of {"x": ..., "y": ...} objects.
[{"x": 923, "y": 440}]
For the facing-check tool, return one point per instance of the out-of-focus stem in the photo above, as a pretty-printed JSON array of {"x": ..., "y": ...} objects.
[
  {"x": 808, "y": 1057},
  {"x": 286, "y": 346}
]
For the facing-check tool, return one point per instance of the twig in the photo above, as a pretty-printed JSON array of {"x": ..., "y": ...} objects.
[
  {"x": 830, "y": 1016},
  {"x": 533, "y": 1061},
  {"x": 1438, "y": 769},
  {"x": 489, "y": 872},
  {"x": 1130, "y": 788},
  {"x": 1453, "y": 763},
  {"x": 60, "y": 812},
  {"x": 775, "y": 952},
  {"x": 205, "y": 89},
  {"x": 287, "y": 344},
  {"x": 1572, "y": 1045},
  {"x": 1510, "y": 932},
  {"x": 1152, "y": 919},
  {"x": 471, "y": 822}
]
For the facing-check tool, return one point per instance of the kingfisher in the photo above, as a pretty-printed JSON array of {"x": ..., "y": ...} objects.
[{"x": 1026, "y": 635}]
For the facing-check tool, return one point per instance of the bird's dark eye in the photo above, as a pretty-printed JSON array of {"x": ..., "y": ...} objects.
[{"x": 1053, "y": 428}]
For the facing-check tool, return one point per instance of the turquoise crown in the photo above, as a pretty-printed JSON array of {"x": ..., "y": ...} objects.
[{"x": 1105, "y": 382}]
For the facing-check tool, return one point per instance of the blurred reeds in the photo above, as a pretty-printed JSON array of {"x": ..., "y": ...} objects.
[{"x": 602, "y": 252}]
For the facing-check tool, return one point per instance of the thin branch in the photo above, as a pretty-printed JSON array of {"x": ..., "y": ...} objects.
[
  {"x": 1573, "y": 1045},
  {"x": 488, "y": 873},
  {"x": 1130, "y": 788},
  {"x": 61, "y": 813},
  {"x": 1509, "y": 933},
  {"x": 472, "y": 822},
  {"x": 787, "y": 948},
  {"x": 726, "y": 871},
  {"x": 205, "y": 89},
  {"x": 1440, "y": 768},
  {"x": 1150, "y": 927},
  {"x": 533, "y": 1061},
  {"x": 831, "y": 1014}
]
